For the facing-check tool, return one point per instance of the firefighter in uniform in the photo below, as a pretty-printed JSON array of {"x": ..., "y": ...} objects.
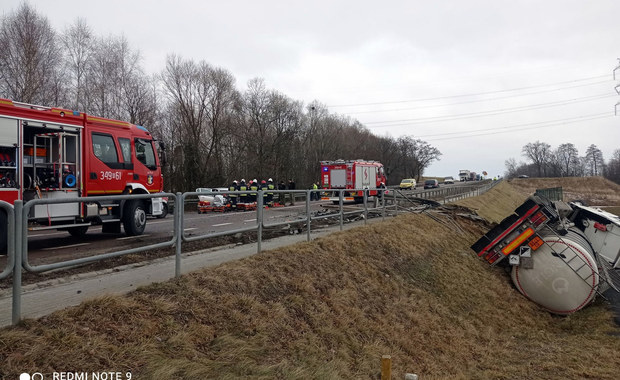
[
  {"x": 380, "y": 191},
  {"x": 234, "y": 186},
  {"x": 243, "y": 197},
  {"x": 253, "y": 189},
  {"x": 264, "y": 188},
  {"x": 282, "y": 196},
  {"x": 270, "y": 188},
  {"x": 314, "y": 195}
]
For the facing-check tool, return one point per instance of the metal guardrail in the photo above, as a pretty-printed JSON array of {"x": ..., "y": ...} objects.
[
  {"x": 551, "y": 193},
  {"x": 17, "y": 227}
]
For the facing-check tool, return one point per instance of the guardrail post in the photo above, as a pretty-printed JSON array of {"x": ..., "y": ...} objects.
[
  {"x": 179, "y": 210},
  {"x": 395, "y": 205},
  {"x": 340, "y": 202},
  {"x": 259, "y": 220},
  {"x": 383, "y": 200},
  {"x": 365, "y": 207},
  {"x": 308, "y": 216},
  {"x": 17, "y": 264}
]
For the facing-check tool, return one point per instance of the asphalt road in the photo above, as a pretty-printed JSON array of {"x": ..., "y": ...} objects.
[{"x": 48, "y": 246}]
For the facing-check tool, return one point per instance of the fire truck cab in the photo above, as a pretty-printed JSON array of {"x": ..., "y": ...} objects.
[
  {"x": 354, "y": 174},
  {"x": 54, "y": 153}
]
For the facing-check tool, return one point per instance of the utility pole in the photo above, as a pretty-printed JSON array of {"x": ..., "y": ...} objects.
[{"x": 617, "y": 88}]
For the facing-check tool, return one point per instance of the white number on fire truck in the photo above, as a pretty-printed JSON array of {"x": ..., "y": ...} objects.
[{"x": 108, "y": 175}]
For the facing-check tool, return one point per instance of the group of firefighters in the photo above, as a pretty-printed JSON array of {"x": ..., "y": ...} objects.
[{"x": 249, "y": 192}]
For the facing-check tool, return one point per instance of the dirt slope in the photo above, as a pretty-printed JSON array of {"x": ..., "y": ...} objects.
[{"x": 409, "y": 287}]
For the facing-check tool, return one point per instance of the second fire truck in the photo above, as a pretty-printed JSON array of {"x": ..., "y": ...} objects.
[{"x": 360, "y": 175}]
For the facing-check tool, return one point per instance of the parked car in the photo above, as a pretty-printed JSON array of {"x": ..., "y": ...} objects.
[
  {"x": 431, "y": 184},
  {"x": 524, "y": 176},
  {"x": 211, "y": 189},
  {"x": 407, "y": 183},
  {"x": 448, "y": 180}
]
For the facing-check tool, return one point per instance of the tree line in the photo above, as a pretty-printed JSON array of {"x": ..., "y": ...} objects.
[
  {"x": 564, "y": 161},
  {"x": 213, "y": 131}
]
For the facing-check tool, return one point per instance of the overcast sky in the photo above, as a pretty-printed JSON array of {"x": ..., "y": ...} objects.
[{"x": 476, "y": 79}]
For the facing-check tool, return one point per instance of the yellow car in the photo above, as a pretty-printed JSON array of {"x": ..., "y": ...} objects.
[{"x": 407, "y": 184}]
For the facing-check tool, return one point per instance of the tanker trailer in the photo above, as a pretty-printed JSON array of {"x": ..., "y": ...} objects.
[{"x": 560, "y": 255}]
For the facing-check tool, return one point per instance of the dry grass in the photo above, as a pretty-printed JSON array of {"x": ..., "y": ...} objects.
[
  {"x": 596, "y": 191},
  {"x": 497, "y": 203},
  {"x": 329, "y": 309}
]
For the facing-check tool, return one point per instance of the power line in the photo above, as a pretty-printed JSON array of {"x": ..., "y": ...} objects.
[
  {"x": 475, "y": 101},
  {"x": 435, "y": 119},
  {"x": 520, "y": 125},
  {"x": 528, "y": 126},
  {"x": 465, "y": 95}
]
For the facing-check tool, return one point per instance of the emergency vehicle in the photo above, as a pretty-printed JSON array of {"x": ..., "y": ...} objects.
[
  {"x": 54, "y": 153},
  {"x": 354, "y": 174}
]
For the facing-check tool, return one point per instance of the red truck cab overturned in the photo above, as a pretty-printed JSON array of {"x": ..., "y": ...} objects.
[
  {"x": 354, "y": 174},
  {"x": 54, "y": 153}
]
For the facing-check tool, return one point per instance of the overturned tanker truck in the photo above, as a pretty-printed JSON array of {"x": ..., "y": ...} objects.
[{"x": 560, "y": 254}]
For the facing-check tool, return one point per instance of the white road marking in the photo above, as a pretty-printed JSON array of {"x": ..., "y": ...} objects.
[
  {"x": 250, "y": 220},
  {"x": 159, "y": 222},
  {"x": 65, "y": 246},
  {"x": 132, "y": 237},
  {"x": 191, "y": 228},
  {"x": 221, "y": 224}
]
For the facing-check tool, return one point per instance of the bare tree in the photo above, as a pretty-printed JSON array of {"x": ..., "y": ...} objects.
[
  {"x": 613, "y": 167},
  {"x": 30, "y": 57},
  {"x": 187, "y": 98},
  {"x": 112, "y": 68},
  {"x": 594, "y": 160},
  {"x": 259, "y": 126},
  {"x": 77, "y": 41},
  {"x": 424, "y": 154},
  {"x": 539, "y": 153},
  {"x": 511, "y": 167},
  {"x": 567, "y": 157}
]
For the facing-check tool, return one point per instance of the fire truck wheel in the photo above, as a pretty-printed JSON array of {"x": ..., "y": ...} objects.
[
  {"x": 3, "y": 232},
  {"x": 78, "y": 231},
  {"x": 134, "y": 219}
]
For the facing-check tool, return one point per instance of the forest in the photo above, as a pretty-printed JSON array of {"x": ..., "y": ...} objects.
[{"x": 213, "y": 130}]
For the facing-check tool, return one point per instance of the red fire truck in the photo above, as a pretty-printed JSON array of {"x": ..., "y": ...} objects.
[
  {"x": 54, "y": 153},
  {"x": 355, "y": 174}
]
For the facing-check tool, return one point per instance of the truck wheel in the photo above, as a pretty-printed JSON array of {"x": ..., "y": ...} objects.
[
  {"x": 78, "y": 231},
  {"x": 164, "y": 212},
  {"x": 3, "y": 232},
  {"x": 134, "y": 218}
]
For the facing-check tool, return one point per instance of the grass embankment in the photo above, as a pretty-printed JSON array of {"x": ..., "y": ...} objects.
[
  {"x": 409, "y": 287},
  {"x": 595, "y": 191},
  {"x": 496, "y": 204}
]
